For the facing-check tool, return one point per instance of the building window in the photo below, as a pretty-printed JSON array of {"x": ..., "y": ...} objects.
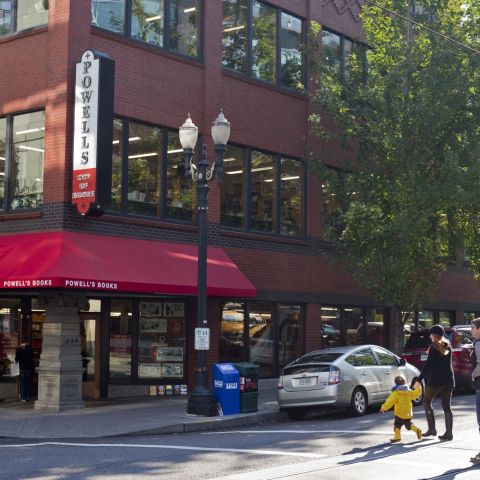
[
  {"x": 232, "y": 346},
  {"x": 352, "y": 326},
  {"x": 181, "y": 198},
  {"x": 144, "y": 169},
  {"x": 263, "y": 42},
  {"x": 261, "y": 337},
  {"x": 262, "y": 175},
  {"x": 469, "y": 316},
  {"x": 161, "y": 340},
  {"x": 10, "y": 318},
  {"x": 264, "y": 24},
  {"x": 147, "y": 24},
  {"x": 336, "y": 50},
  {"x": 336, "y": 193},
  {"x": 147, "y": 173},
  {"x": 354, "y": 321},
  {"x": 291, "y": 198},
  {"x": 89, "y": 323},
  {"x": 376, "y": 326},
  {"x": 232, "y": 212},
  {"x": 120, "y": 339},
  {"x": 235, "y": 34},
  {"x": 17, "y": 15},
  {"x": 290, "y": 335},
  {"x": 21, "y": 161},
  {"x": 267, "y": 334},
  {"x": 276, "y": 192},
  {"x": 171, "y": 24}
]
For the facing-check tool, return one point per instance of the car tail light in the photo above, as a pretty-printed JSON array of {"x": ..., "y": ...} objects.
[
  {"x": 334, "y": 376},
  {"x": 457, "y": 352},
  {"x": 280, "y": 384}
]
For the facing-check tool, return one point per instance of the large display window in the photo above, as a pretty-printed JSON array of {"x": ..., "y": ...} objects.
[{"x": 161, "y": 340}]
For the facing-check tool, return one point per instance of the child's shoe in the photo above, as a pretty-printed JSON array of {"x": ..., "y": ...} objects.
[
  {"x": 396, "y": 435},
  {"x": 417, "y": 431}
]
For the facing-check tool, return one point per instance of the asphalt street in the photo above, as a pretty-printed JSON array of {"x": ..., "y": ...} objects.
[{"x": 332, "y": 446}]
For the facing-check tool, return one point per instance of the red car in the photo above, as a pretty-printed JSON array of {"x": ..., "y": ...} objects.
[{"x": 415, "y": 352}]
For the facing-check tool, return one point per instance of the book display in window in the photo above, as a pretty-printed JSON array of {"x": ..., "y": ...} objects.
[{"x": 161, "y": 340}]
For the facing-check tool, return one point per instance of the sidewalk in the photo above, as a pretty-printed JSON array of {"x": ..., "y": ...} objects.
[{"x": 112, "y": 417}]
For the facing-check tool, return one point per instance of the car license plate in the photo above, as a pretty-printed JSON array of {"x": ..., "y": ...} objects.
[
  {"x": 305, "y": 381},
  {"x": 423, "y": 357}
]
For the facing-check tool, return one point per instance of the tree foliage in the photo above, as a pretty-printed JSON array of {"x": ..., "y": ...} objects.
[{"x": 410, "y": 126}]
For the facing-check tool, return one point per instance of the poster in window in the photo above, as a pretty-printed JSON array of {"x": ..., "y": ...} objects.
[
  {"x": 153, "y": 325},
  {"x": 173, "y": 370},
  {"x": 152, "y": 309},
  {"x": 176, "y": 309},
  {"x": 149, "y": 370},
  {"x": 169, "y": 354},
  {"x": 175, "y": 326}
]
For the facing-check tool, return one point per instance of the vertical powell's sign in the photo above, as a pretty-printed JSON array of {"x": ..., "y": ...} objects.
[{"x": 92, "y": 140}]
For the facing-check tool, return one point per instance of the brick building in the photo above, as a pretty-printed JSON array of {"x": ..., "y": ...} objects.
[{"x": 108, "y": 302}]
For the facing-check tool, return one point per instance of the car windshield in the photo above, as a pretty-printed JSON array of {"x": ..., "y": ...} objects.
[
  {"x": 318, "y": 357},
  {"x": 298, "y": 369}
]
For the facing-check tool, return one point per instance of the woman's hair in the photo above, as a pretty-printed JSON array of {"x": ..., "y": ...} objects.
[{"x": 441, "y": 343}]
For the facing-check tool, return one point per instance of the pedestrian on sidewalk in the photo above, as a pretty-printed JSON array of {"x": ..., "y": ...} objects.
[
  {"x": 26, "y": 363},
  {"x": 401, "y": 400},
  {"x": 439, "y": 379},
  {"x": 475, "y": 358}
]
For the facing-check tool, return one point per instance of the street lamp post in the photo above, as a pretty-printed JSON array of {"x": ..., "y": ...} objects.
[{"x": 202, "y": 401}]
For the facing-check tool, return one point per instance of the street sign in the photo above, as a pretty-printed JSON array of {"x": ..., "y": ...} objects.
[{"x": 202, "y": 339}]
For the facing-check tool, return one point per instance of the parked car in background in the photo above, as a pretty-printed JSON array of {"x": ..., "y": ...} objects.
[
  {"x": 416, "y": 350},
  {"x": 354, "y": 376}
]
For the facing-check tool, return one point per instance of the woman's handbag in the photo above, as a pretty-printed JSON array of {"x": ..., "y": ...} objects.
[{"x": 14, "y": 369}]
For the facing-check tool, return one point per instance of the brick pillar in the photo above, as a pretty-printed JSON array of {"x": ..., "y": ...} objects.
[{"x": 60, "y": 370}]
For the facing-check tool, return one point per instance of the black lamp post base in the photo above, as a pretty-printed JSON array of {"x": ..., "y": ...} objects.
[{"x": 202, "y": 404}]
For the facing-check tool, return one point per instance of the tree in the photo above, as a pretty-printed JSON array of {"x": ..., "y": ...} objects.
[{"x": 411, "y": 133}]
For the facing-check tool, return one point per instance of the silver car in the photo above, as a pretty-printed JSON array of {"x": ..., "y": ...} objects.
[{"x": 354, "y": 377}]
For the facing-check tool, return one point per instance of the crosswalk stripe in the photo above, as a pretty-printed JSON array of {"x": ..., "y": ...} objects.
[{"x": 170, "y": 447}]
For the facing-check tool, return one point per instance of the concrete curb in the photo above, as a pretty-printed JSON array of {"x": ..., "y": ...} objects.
[{"x": 204, "y": 425}]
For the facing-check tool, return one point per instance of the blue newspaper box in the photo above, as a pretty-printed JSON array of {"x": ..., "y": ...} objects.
[{"x": 226, "y": 387}]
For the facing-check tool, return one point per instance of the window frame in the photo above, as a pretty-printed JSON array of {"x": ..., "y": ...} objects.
[
  {"x": 277, "y": 199},
  {"x": 274, "y": 308},
  {"x": 343, "y": 54},
  {"x": 13, "y": 21},
  {"x": 8, "y": 194},
  {"x": 278, "y": 63},
  {"x": 166, "y": 30},
  {"x": 123, "y": 203}
]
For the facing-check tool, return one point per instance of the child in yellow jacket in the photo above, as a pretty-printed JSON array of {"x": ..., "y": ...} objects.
[{"x": 401, "y": 399}]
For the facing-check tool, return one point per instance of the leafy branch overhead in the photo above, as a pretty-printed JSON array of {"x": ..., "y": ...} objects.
[{"x": 407, "y": 107}]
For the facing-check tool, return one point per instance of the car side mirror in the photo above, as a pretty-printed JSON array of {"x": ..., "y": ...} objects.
[{"x": 402, "y": 362}]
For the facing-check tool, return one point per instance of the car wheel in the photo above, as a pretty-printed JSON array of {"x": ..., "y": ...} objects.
[
  {"x": 296, "y": 413},
  {"x": 359, "y": 402}
]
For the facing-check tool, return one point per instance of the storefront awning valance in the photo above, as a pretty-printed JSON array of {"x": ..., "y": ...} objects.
[{"x": 60, "y": 259}]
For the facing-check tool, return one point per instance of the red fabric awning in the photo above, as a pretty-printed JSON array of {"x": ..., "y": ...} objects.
[{"x": 60, "y": 259}]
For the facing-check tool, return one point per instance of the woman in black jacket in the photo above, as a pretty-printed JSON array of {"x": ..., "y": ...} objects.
[{"x": 439, "y": 379}]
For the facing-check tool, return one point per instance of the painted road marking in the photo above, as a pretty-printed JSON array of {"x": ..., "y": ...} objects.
[{"x": 171, "y": 447}]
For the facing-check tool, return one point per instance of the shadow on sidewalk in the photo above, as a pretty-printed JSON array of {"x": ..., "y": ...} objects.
[{"x": 385, "y": 450}]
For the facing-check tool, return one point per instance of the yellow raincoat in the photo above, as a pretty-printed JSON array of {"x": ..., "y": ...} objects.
[{"x": 401, "y": 399}]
